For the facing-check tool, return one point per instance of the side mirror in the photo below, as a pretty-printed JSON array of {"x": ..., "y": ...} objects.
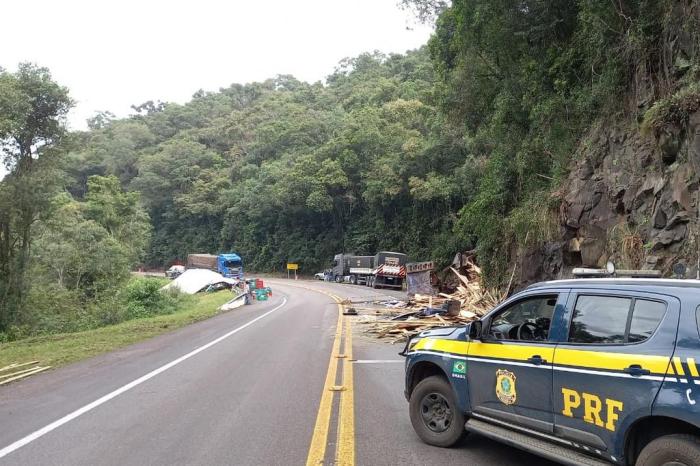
[{"x": 475, "y": 330}]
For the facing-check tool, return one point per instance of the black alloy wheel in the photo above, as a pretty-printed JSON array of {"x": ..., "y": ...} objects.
[
  {"x": 436, "y": 412},
  {"x": 435, "y": 415}
]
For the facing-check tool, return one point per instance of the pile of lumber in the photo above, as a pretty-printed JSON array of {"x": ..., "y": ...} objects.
[
  {"x": 425, "y": 312},
  {"x": 18, "y": 371},
  {"x": 475, "y": 299}
]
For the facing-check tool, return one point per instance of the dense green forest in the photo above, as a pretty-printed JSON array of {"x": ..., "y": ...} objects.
[{"x": 461, "y": 144}]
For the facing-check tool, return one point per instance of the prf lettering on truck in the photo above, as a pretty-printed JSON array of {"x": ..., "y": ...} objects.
[{"x": 593, "y": 411}]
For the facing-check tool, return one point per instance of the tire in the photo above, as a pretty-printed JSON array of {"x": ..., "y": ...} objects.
[
  {"x": 677, "y": 449},
  {"x": 337, "y": 279},
  {"x": 374, "y": 283},
  {"x": 353, "y": 279},
  {"x": 434, "y": 412}
]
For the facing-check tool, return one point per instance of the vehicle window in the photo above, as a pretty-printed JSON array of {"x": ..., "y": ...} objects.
[
  {"x": 528, "y": 319},
  {"x": 646, "y": 317},
  {"x": 599, "y": 319}
]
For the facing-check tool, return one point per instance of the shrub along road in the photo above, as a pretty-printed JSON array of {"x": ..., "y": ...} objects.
[
  {"x": 243, "y": 388},
  {"x": 64, "y": 348}
]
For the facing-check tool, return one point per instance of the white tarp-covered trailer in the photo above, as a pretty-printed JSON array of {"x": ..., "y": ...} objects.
[{"x": 195, "y": 280}]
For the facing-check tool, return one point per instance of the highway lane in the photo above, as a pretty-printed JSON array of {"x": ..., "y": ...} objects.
[
  {"x": 383, "y": 431},
  {"x": 252, "y": 398}
]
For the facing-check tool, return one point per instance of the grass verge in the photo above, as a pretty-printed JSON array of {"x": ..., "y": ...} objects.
[{"x": 60, "y": 349}]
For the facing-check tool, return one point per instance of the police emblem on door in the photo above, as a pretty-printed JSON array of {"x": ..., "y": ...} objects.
[{"x": 505, "y": 386}]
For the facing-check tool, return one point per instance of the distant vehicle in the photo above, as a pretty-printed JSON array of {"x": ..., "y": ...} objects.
[
  {"x": 341, "y": 266},
  {"x": 385, "y": 269},
  {"x": 229, "y": 265},
  {"x": 389, "y": 271},
  {"x": 174, "y": 271},
  {"x": 319, "y": 276}
]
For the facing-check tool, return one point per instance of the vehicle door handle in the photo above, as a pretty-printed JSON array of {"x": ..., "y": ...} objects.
[
  {"x": 636, "y": 370},
  {"x": 536, "y": 360}
]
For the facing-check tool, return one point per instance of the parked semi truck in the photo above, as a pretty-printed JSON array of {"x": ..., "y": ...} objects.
[
  {"x": 384, "y": 270},
  {"x": 229, "y": 265},
  {"x": 341, "y": 266}
]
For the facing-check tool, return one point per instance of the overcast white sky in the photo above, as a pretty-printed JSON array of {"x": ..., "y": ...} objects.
[{"x": 112, "y": 54}]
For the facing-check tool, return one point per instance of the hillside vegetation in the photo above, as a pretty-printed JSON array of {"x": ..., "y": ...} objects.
[{"x": 465, "y": 143}]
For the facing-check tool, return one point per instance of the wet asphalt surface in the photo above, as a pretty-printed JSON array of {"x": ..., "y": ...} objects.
[{"x": 249, "y": 399}]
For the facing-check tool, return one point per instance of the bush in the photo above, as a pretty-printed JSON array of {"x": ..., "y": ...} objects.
[
  {"x": 674, "y": 110},
  {"x": 53, "y": 309},
  {"x": 143, "y": 298}
]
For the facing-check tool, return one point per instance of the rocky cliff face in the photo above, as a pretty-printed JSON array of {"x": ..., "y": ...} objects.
[
  {"x": 630, "y": 198},
  {"x": 633, "y": 199},
  {"x": 633, "y": 196}
]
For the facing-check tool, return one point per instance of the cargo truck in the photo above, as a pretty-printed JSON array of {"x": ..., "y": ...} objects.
[
  {"x": 229, "y": 265},
  {"x": 385, "y": 269},
  {"x": 389, "y": 270},
  {"x": 360, "y": 269}
]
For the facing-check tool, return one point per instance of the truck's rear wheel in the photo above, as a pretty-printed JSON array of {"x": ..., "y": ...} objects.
[
  {"x": 671, "y": 450},
  {"x": 435, "y": 416},
  {"x": 353, "y": 279}
]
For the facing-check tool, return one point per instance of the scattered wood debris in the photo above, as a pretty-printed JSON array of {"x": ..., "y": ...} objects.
[
  {"x": 469, "y": 301},
  {"x": 18, "y": 371}
]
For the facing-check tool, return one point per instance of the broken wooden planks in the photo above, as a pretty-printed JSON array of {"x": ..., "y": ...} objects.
[
  {"x": 16, "y": 365},
  {"x": 475, "y": 300},
  {"x": 7, "y": 377}
]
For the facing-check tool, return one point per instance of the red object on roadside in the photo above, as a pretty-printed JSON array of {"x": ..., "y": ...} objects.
[
  {"x": 269, "y": 292},
  {"x": 259, "y": 284}
]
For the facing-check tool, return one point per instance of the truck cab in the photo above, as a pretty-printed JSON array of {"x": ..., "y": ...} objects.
[
  {"x": 341, "y": 266},
  {"x": 587, "y": 371},
  {"x": 230, "y": 265}
]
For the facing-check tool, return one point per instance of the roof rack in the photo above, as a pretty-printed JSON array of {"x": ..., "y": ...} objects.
[{"x": 610, "y": 271}]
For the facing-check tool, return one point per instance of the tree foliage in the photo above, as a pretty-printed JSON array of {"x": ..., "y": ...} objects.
[
  {"x": 432, "y": 152},
  {"x": 521, "y": 81},
  {"x": 454, "y": 146},
  {"x": 285, "y": 170},
  {"x": 32, "y": 113}
]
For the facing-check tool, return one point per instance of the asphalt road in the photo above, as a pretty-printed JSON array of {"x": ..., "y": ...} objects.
[{"x": 242, "y": 388}]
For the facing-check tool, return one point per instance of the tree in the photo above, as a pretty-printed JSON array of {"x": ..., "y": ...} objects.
[
  {"x": 78, "y": 253},
  {"x": 90, "y": 246},
  {"x": 425, "y": 10},
  {"x": 120, "y": 214},
  {"x": 32, "y": 116}
]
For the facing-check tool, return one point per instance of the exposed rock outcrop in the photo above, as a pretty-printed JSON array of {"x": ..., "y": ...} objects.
[{"x": 630, "y": 198}]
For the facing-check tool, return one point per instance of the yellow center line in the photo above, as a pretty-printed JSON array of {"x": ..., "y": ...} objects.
[
  {"x": 345, "y": 449},
  {"x": 345, "y": 454},
  {"x": 317, "y": 449}
]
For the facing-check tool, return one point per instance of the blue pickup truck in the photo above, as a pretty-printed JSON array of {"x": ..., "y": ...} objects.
[{"x": 586, "y": 371}]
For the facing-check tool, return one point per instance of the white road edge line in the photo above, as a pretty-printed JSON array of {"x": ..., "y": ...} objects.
[{"x": 80, "y": 411}]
